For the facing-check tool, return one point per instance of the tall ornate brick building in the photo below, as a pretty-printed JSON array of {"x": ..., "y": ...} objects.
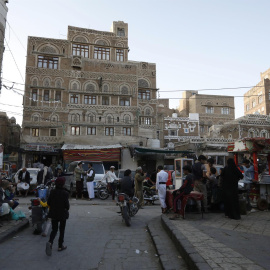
[
  {"x": 257, "y": 99},
  {"x": 85, "y": 91}
]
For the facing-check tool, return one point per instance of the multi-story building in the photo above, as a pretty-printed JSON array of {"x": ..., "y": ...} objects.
[
  {"x": 212, "y": 109},
  {"x": 83, "y": 92},
  {"x": 257, "y": 99},
  {"x": 3, "y": 16}
]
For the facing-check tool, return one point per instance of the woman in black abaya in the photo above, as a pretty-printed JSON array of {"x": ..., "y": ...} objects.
[{"x": 231, "y": 175}]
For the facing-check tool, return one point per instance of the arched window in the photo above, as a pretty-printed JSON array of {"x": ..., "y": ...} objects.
[
  {"x": 54, "y": 118},
  {"x": 124, "y": 90},
  {"x": 46, "y": 82},
  {"x": 143, "y": 83},
  {"x": 147, "y": 112},
  {"x": 35, "y": 82},
  {"x": 75, "y": 118},
  {"x": 109, "y": 119},
  {"x": 105, "y": 88},
  {"x": 127, "y": 119},
  {"x": 90, "y": 88},
  {"x": 58, "y": 83},
  {"x": 251, "y": 133},
  {"x": 74, "y": 86},
  {"x": 91, "y": 118},
  {"x": 35, "y": 117}
]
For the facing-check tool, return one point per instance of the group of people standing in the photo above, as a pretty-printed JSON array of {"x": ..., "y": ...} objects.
[{"x": 218, "y": 188}]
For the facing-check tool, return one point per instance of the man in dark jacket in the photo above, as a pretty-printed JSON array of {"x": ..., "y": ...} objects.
[
  {"x": 127, "y": 184},
  {"x": 59, "y": 206},
  {"x": 23, "y": 181}
]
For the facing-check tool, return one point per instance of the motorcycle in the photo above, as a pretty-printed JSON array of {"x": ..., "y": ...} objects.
[
  {"x": 39, "y": 214},
  {"x": 104, "y": 190},
  {"x": 128, "y": 207},
  {"x": 149, "y": 193}
]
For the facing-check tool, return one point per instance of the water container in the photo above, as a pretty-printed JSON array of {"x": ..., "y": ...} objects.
[{"x": 154, "y": 143}]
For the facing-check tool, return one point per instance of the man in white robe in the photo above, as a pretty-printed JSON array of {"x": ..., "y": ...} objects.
[{"x": 162, "y": 178}]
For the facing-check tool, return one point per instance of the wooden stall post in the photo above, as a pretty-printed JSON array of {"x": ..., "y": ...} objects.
[
  {"x": 255, "y": 163},
  {"x": 236, "y": 159}
]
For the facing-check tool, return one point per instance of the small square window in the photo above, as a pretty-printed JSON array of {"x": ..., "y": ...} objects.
[
  {"x": 91, "y": 131},
  {"x": 75, "y": 130},
  {"x": 53, "y": 132},
  {"x": 35, "y": 132}
]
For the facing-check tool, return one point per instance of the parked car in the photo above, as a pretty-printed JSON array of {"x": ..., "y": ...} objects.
[
  {"x": 33, "y": 177},
  {"x": 70, "y": 176},
  {"x": 120, "y": 174}
]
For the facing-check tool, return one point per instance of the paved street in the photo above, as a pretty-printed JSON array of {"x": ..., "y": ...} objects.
[{"x": 96, "y": 239}]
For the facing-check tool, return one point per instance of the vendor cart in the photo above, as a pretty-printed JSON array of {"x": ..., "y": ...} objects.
[
  {"x": 179, "y": 163},
  {"x": 258, "y": 149}
]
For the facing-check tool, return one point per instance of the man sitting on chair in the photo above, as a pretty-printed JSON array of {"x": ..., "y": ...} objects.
[
  {"x": 185, "y": 189},
  {"x": 23, "y": 181}
]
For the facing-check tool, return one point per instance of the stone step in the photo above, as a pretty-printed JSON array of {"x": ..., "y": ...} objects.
[{"x": 169, "y": 256}]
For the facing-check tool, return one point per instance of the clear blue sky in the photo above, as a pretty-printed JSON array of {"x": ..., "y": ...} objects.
[{"x": 196, "y": 44}]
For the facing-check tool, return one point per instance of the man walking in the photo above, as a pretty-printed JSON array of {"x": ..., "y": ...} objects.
[
  {"x": 90, "y": 184},
  {"x": 79, "y": 177},
  {"x": 162, "y": 178},
  {"x": 59, "y": 206},
  {"x": 139, "y": 177}
]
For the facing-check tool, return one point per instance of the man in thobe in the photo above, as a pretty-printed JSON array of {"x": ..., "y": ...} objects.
[
  {"x": 162, "y": 178},
  {"x": 90, "y": 181}
]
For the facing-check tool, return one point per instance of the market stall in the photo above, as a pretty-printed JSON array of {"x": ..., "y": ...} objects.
[{"x": 258, "y": 151}]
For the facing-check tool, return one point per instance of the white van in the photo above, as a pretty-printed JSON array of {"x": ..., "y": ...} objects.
[{"x": 70, "y": 175}]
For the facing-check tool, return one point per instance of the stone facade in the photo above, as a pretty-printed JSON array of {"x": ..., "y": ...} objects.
[
  {"x": 3, "y": 16},
  {"x": 84, "y": 90},
  {"x": 251, "y": 126},
  {"x": 257, "y": 99},
  {"x": 212, "y": 109},
  {"x": 9, "y": 133}
]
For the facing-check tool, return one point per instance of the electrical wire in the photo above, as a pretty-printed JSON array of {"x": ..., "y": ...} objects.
[{"x": 14, "y": 60}]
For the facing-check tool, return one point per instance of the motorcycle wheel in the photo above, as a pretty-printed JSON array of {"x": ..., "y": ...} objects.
[
  {"x": 103, "y": 194},
  {"x": 126, "y": 216}
]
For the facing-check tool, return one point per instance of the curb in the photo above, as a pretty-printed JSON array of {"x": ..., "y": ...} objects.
[
  {"x": 157, "y": 243},
  {"x": 167, "y": 252},
  {"x": 191, "y": 256},
  {"x": 11, "y": 232}
]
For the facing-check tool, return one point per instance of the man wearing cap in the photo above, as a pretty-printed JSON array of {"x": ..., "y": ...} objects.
[
  {"x": 109, "y": 177},
  {"x": 162, "y": 178},
  {"x": 79, "y": 177},
  {"x": 139, "y": 177}
]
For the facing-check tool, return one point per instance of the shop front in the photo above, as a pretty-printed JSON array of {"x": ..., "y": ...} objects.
[
  {"x": 41, "y": 153},
  {"x": 110, "y": 155}
]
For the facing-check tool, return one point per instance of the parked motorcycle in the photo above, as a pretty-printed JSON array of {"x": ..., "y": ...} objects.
[
  {"x": 39, "y": 214},
  {"x": 149, "y": 193},
  {"x": 128, "y": 207},
  {"x": 104, "y": 190}
]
